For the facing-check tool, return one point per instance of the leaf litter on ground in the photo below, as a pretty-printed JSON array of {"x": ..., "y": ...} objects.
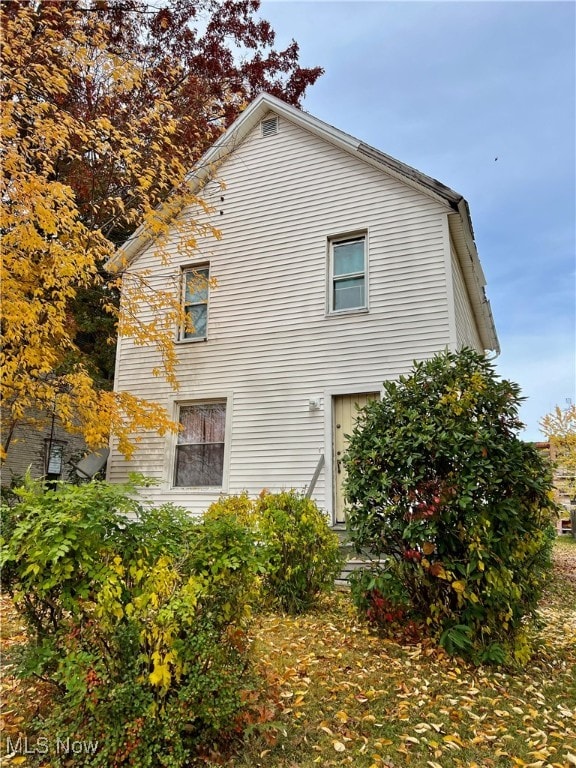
[
  {"x": 370, "y": 701},
  {"x": 341, "y": 695}
]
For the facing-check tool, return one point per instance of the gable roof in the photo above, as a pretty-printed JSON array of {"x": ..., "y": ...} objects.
[{"x": 460, "y": 223}]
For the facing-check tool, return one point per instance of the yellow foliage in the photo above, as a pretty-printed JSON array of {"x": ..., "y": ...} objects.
[
  {"x": 560, "y": 429},
  {"x": 52, "y": 248},
  {"x": 160, "y": 676}
]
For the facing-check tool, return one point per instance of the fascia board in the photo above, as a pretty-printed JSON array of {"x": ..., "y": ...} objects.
[
  {"x": 246, "y": 121},
  {"x": 408, "y": 175},
  {"x": 466, "y": 219},
  {"x": 465, "y": 247},
  {"x": 201, "y": 172}
]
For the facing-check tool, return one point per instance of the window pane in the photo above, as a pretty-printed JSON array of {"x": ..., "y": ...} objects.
[
  {"x": 55, "y": 459},
  {"x": 196, "y": 286},
  {"x": 199, "y": 465},
  {"x": 200, "y": 449},
  {"x": 203, "y": 423},
  {"x": 214, "y": 422},
  {"x": 192, "y": 421},
  {"x": 348, "y": 258},
  {"x": 349, "y": 294},
  {"x": 198, "y": 314}
]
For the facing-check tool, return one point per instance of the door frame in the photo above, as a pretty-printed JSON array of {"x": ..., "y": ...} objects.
[{"x": 329, "y": 398}]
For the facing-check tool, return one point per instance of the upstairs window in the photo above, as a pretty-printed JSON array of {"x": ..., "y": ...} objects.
[
  {"x": 348, "y": 274},
  {"x": 200, "y": 447},
  {"x": 195, "y": 302}
]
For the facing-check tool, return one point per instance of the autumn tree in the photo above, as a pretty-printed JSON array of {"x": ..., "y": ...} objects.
[
  {"x": 560, "y": 429},
  {"x": 106, "y": 106}
]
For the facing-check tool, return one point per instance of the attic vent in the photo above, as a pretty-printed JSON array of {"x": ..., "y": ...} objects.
[{"x": 269, "y": 126}]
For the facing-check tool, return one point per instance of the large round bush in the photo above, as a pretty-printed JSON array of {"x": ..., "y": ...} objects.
[{"x": 457, "y": 507}]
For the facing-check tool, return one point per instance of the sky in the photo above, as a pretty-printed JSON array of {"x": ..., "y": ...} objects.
[{"x": 481, "y": 96}]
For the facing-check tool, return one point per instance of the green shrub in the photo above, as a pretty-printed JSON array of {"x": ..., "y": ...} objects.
[
  {"x": 241, "y": 508},
  {"x": 58, "y": 545},
  {"x": 454, "y": 503},
  {"x": 225, "y": 555},
  {"x": 139, "y": 618},
  {"x": 301, "y": 553}
]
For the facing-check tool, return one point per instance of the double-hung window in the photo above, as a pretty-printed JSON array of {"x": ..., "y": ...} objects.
[
  {"x": 200, "y": 446},
  {"x": 348, "y": 274},
  {"x": 195, "y": 302}
]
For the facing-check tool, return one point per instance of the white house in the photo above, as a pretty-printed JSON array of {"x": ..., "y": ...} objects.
[{"x": 337, "y": 267}]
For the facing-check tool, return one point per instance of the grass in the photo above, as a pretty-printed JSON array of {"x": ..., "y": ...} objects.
[{"x": 345, "y": 697}]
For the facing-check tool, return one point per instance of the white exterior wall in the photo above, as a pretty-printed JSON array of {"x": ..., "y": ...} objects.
[
  {"x": 466, "y": 328},
  {"x": 271, "y": 344}
]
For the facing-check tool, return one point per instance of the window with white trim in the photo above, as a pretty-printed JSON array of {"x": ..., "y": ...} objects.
[
  {"x": 195, "y": 287},
  {"x": 200, "y": 446},
  {"x": 348, "y": 274}
]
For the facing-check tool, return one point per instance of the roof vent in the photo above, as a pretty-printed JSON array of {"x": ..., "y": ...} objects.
[{"x": 269, "y": 127}]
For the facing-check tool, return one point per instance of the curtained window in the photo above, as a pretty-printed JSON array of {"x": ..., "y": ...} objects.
[{"x": 200, "y": 447}]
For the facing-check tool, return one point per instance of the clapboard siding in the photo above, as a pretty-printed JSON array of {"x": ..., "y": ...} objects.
[
  {"x": 271, "y": 343},
  {"x": 466, "y": 329}
]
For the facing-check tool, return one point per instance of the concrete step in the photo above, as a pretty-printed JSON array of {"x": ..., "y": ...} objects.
[
  {"x": 564, "y": 528},
  {"x": 353, "y": 561}
]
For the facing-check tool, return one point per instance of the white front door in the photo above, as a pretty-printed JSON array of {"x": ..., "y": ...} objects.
[{"x": 345, "y": 412}]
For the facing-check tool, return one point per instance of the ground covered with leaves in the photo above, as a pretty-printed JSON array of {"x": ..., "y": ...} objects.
[{"x": 340, "y": 695}]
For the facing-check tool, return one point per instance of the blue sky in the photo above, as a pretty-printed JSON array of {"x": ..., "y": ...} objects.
[{"x": 447, "y": 87}]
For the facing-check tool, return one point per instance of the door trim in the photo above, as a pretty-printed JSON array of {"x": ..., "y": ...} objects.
[{"x": 331, "y": 466}]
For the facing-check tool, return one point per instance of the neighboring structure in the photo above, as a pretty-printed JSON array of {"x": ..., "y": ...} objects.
[
  {"x": 40, "y": 446},
  {"x": 564, "y": 482},
  {"x": 338, "y": 266}
]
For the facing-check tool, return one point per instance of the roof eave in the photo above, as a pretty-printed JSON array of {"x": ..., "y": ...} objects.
[
  {"x": 200, "y": 174},
  {"x": 406, "y": 173},
  {"x": 474, "y": 276},
  {"x": 249, "y": 118},
  {"x": 245, "y": 122}
]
